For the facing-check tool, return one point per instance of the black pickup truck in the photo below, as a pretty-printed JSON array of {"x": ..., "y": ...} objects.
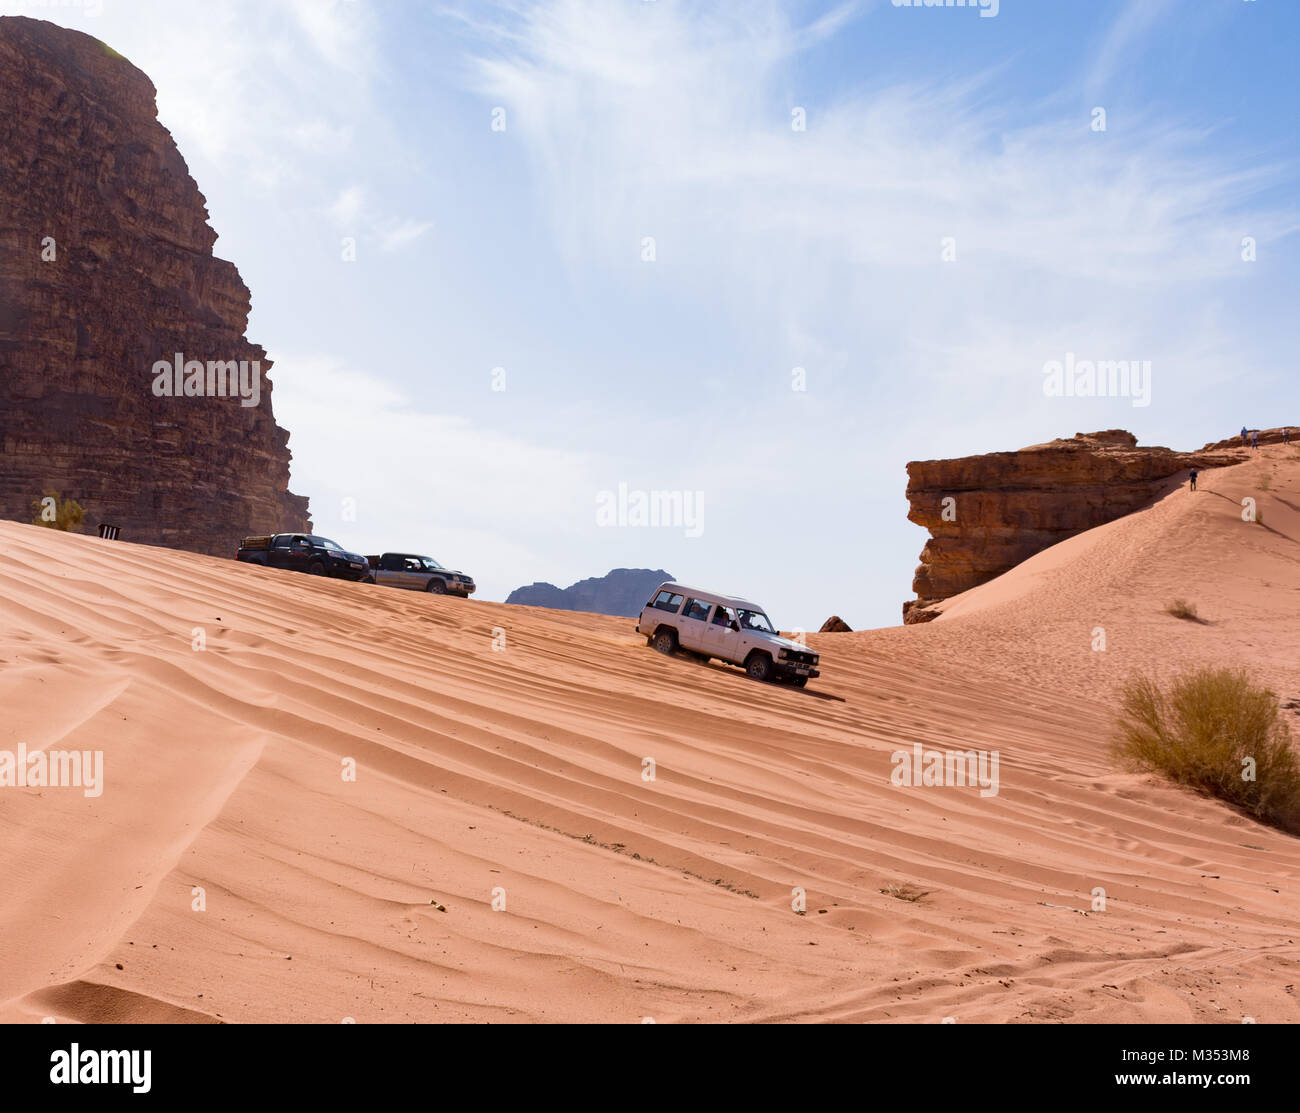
[{"x": 304, "y": 552}]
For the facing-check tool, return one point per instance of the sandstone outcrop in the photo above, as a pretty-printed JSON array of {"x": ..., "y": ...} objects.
[
  {"x": 835, "y": 625},
  {"x": 988, "y": 513},
  {"x": 1283, "y": 434},
  {"x": 107, "y": 268}
]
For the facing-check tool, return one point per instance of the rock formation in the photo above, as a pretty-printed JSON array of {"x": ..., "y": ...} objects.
[
  {"x": 835, "y": 625},
  {"x": 988, "y": 513},
  {"x": 106, "y": 268},
  {"x": 1283, "y": 434},
  {"x": 624, "y": 591}
]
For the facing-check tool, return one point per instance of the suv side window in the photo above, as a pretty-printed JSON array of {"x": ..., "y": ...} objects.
[
  {"x": 723, "y": 617},
  {"x": 410, "y": 564},
  {"x": 697, "y": 610},
  {"x": 667, "y": 601}
]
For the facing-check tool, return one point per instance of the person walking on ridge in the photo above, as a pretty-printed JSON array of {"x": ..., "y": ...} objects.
[{"x": 1192, "y": 477}]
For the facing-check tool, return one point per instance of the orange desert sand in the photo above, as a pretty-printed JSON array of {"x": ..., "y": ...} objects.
[{"x": 521, "y": 771}]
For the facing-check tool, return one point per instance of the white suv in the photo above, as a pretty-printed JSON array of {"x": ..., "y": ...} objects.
[{"x": 733, "y": 630}]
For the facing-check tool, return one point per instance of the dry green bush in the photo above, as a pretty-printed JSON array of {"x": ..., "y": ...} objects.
[
  {"x": 55, "y": 512},
  {"x": 1219, "y": 732},
  {"x": 1181, "y": 608}
]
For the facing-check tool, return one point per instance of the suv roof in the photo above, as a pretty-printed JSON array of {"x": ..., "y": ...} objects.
[{"x": 708, "y": 596}]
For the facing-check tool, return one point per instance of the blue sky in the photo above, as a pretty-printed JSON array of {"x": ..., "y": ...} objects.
[{"x": 309, "y": 121}]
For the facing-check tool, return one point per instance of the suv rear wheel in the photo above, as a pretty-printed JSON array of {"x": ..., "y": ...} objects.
[
  {"x": 665, "y": 641},
  {"x": 759, "y": 666},
  {"x": 316, "y": 568}
]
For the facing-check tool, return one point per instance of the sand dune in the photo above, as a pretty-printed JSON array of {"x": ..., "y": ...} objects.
[{"x": 519, "y": 770}]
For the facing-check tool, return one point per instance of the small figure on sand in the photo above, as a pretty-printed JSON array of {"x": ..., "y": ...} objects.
[
  {"x": 1286, "y": 435},
  {"x": 1254, "y": 438},
  {"x": 1243, "y": 436},
  {"x": 1192, "y": 476}
]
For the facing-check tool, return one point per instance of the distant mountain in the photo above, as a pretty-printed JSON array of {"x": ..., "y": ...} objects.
[{"x": 623, "y": 591}]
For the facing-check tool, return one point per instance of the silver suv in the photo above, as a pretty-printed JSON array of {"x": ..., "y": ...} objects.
[{"x": 733, "y": 630}]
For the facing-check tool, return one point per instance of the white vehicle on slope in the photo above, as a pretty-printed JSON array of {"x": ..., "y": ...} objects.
[{"x": 732, "y": 630}]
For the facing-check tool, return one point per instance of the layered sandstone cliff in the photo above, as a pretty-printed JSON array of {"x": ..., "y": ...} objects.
[
  {"x": 106, "y": 268},
  {"x": 988, "y": 513}
]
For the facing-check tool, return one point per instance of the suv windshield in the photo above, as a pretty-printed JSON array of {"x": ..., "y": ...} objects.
[
  {"x": 755, "y": 620},
  {"x": 431, "y": 564},
  {"x": 326, "y": 543}
]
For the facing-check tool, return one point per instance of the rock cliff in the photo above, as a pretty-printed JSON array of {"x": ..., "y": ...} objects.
[
  {"x": 624, "y": 591},
  {"x": 107, "y": 269},
  {"x": 988, "y": 513}
]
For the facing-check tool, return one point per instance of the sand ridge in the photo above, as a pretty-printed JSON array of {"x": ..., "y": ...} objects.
[{"x": 486, "y": 773}]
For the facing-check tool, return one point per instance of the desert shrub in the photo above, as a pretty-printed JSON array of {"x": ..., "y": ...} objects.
[
  {"x": 1265, "y": 482},
  {"x": 1181, "y": 608},
  {"x": 1220, "y": 733},
  {"x": 55, "y": 512}
]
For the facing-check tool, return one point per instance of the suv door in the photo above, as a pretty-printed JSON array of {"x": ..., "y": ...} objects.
[
  {"x": 693, "y": 623},
  {"x": 719, "y": 639}
]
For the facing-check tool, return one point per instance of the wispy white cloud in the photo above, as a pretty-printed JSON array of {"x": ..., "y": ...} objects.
[
  {"x": 1126, "y": 35},
  {"x": 352, "y": 214},
  {"x": 348, "y": 207},
  {"x": 668, "y": 121},
  {"x": 397, "y": 234},
  {"x": 340, "y": 31}
]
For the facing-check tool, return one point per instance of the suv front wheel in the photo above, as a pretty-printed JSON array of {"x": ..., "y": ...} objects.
[
  {"x": 665, "y": 641},
  {"x": 759, "y": 666}
]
